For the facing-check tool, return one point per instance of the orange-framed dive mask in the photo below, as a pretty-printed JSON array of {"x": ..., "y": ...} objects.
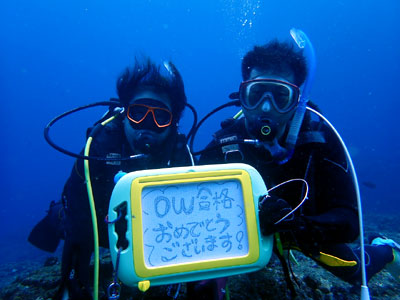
[{"x": 137, "y": 113}]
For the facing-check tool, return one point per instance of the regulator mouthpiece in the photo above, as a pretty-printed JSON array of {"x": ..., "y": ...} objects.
[{"x": 266, "y": 130}]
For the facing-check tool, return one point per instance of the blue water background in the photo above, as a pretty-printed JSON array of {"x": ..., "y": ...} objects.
[{"x": 57, "y": 55}]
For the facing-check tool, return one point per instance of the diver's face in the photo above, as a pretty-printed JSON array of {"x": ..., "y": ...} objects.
[
  {"x": 147, "y": 134},
  {"x": 264, "y": 121}
]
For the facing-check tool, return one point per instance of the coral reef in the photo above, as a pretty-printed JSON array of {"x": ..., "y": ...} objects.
[{"x": 36, "y": 281}]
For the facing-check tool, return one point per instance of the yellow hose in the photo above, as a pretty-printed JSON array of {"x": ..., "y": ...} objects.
[
  {"x": 239, "y": 113},
  {"x": 93, "y": 212},
  {"x": 94, "y": 222}
]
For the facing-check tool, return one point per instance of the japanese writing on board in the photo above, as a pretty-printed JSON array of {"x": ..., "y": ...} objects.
[{"x": 193, "y": 222}]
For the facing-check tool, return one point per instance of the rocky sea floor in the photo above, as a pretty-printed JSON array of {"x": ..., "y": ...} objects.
[{"x": 38, "y": 278}]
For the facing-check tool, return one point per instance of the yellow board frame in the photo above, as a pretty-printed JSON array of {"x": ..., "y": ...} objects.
[{"x": 139, "y": 184}]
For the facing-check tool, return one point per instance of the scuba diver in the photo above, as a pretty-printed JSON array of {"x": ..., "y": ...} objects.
[
  {"x": 153, "y": 99},
  {"x": 275, "y": 79},
  {"x": 321, "y": 222}
]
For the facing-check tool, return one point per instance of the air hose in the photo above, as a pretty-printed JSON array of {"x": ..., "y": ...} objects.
[
  {"x": 364, "y": 286},
  {"x": 92, "y": 205}
]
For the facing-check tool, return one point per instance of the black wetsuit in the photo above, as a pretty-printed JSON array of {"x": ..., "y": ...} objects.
[
  {"x": 110, "y": 141},
  {"x": 329, "y": 215}
]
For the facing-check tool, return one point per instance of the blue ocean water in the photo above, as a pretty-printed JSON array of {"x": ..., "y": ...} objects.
[{"x": 57, "y": 55}]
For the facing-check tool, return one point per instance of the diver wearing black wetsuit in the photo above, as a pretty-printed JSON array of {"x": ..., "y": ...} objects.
[
  {"x": 284, "y": 141},
  {"x": 109, "y": 142},
  {"x": 153, "y": 99},
  {"x": 328, "y": 219}
]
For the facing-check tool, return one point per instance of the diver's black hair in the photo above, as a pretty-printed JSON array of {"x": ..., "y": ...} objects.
[
  {"x": 277, "y": 57},
  {"x": 146, "y": 74}
]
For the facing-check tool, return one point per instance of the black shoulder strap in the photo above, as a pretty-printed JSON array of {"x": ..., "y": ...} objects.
[
  {"x": 311, "y": 131},
  {"x": 181, "y": 155},
  {"x": 308, "y": 137}
]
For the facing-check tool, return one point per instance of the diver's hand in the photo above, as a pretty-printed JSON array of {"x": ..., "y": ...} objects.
[{"x": 271, "y": 210}]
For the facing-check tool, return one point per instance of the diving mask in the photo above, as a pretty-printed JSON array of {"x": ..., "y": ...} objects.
[
  {"x": 138, "y": 112},
  {"x": 283, "y": 95}
]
